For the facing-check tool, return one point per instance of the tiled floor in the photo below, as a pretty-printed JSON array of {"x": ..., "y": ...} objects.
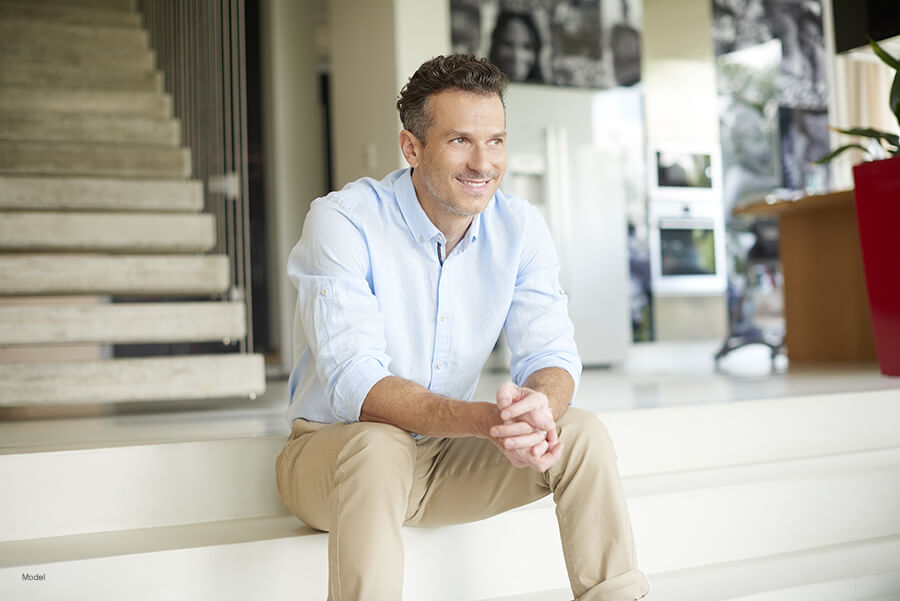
[
  {"x": 671, "y": 374},
  {"x": 654, "y": 375}
]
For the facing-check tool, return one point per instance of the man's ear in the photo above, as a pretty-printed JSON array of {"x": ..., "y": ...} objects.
[{"x": 411, "y": 147}]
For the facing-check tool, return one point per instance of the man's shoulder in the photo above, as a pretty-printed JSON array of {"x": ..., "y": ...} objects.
[
  {"x": 511, "y": 211},
  {"x": 360, "y": 195}
]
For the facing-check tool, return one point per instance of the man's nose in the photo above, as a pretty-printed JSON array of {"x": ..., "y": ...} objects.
[{"x": 478, "y": 159}]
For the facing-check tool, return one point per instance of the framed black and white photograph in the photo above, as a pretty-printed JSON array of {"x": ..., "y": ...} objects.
[
  {"x": 748, "y": 122},
  {"x": 771, "y": 77},
  {"x": 579, "y": 43}
]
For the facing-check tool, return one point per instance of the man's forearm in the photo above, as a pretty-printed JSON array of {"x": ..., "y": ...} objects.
[
  {"x": 557, "y": 384},
  {"x": 407, "y": 405}
]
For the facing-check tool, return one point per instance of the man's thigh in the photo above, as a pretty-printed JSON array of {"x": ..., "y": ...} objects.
[
  {"x": 364, "y": 456},
  {"x": 467, "y": 479}
]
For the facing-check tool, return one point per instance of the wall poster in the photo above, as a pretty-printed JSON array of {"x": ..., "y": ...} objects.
[
  {"x": 773, "y": 119},
  {"x": 580, "y": 43},
  {"x": 773, "y": 94}
]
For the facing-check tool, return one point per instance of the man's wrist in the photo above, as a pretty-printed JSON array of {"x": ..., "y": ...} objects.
[{"x": 486, "y": 415}]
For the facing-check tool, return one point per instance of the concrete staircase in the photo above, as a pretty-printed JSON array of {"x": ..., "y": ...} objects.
[
  {"x": 96, "y": 202},
  {"x": 769, "y": 500}
]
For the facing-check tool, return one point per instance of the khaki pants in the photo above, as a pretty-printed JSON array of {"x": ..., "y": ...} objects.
[{"x": 362, "y": 482}]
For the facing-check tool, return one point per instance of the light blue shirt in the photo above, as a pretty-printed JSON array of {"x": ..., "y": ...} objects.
[{"x": 374, "y": 299}]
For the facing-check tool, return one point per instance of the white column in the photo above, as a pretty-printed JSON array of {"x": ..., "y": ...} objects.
[{"x": 295, "y": 146}]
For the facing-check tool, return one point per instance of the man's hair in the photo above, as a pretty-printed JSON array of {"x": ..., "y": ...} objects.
[{"x": 454, "y": 71}]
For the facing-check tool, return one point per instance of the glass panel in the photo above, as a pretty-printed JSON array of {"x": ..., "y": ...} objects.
[{"x": 687, "y": 251}]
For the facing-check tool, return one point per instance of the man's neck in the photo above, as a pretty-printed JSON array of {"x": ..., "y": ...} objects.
[{"x": 454, "y": 227}]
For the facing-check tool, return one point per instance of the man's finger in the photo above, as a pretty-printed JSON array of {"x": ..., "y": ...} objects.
[
  {"x": 552, "y": 436},
  {"x": 507, "y": 394},
  {"x": 526, "y": 441},
  {"x": 549, "y": 459},
  {"x": 522, "y": 406},
  {"x": 539, "y": 449},
  {"x": 511, "y": 429},
  {"x": 541, "y": 419}
]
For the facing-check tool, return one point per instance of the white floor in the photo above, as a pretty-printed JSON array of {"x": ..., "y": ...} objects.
[{"x": 654, "y": 375}]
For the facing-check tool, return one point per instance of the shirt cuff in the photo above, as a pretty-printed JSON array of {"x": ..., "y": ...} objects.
[
  {"x": 573, "y": 368},
  {"x": 352, "y": 386}
]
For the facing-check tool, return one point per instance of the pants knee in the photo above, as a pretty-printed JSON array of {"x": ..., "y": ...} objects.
[
  {"x": 381, "y": 454},
  {"x": 585, "y": 435}
]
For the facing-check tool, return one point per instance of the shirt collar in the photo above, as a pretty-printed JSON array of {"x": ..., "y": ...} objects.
[{"x": 420, "y": 226}]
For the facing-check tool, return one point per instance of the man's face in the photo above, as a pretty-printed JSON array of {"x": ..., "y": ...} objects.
[{"x": 458, "y": 169}]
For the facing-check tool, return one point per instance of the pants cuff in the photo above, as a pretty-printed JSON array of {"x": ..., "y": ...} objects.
[{"x": 629, "y": 586}]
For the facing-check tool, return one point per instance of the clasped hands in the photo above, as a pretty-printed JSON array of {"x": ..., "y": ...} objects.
[{"x": 527, "y": 435}]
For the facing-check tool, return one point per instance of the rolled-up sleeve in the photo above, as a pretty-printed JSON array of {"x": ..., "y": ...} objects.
[
  {"x": 538, "y": 329},
  {"x": 337, "y": 313}
]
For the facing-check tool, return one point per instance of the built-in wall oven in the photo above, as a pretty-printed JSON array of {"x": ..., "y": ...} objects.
[{"x": 687, "y": 228}]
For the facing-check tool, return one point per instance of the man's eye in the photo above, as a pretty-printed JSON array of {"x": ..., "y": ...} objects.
[
  {"x": 459, "y": 140},
  {"x": 497, "y": 141}
]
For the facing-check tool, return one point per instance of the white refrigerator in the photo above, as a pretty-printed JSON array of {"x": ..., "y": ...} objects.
[{"x": 578, "y": 155}]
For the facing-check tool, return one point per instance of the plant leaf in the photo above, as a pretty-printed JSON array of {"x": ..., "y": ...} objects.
[
  {"x": 894, "y": 99},
  {"x": 883, "y": 55},
  {"x": 868, "y": 132},
  {"x": 840, "y": 149}
]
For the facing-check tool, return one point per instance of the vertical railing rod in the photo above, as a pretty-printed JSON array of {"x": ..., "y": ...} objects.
[
  {"x": 245, "y": 170},
  {"x": 200, "y": 49}
]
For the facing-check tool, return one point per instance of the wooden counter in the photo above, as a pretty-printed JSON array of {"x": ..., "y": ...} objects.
[{"x": 826, "y": 310}]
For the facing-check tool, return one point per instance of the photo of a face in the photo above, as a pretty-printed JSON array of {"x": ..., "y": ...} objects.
[{"x": 516, "y": 46}]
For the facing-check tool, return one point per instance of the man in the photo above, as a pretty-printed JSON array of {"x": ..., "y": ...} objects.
[{"x": 404, "y": 285}]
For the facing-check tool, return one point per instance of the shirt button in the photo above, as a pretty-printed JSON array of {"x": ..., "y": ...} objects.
[
  {"x": 443, "y": 317},
  {"x": 440, "y": 365},
  {"x": 421, "y": 240},
  {"x": 324, "y": 291}
]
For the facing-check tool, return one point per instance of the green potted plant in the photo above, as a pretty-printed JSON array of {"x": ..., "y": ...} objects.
[{"x": 877, "y": 200}]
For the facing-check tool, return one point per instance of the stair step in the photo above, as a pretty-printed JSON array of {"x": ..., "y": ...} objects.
[
  {"x": 42, "y": 50},
  {"x": 784, "y": 577},
  {"x": 103, "y": 102},
  {"x": 114, "y": 39},
  {"x": 801, "y": 515},
  {"x": 60, "y": 274},
  {"x": 90, "y": 194},
  {"x": 107, "y": 232},
  {"x": 266, "y": 558},
  {"x": 134, "y": 323},
  {"x": 862, "y": 571},
  {"x": 227, "y": 375},
  {"x": 113, "y": 5},
  {"x": 669, "y": 501},
  {"x": 70, "y": 158},
  {"x": 105, "y": 77},
  {"x": 99, "y": 13},
  {"x": 93, "y": 128}
]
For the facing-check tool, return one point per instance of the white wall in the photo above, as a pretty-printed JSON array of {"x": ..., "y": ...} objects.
[
  {"x": 375, "y": 46},
  {"x": 364, "y": 124},
  {"x": 679, "y": 73},
  {"x": 294, "y": 138}
]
